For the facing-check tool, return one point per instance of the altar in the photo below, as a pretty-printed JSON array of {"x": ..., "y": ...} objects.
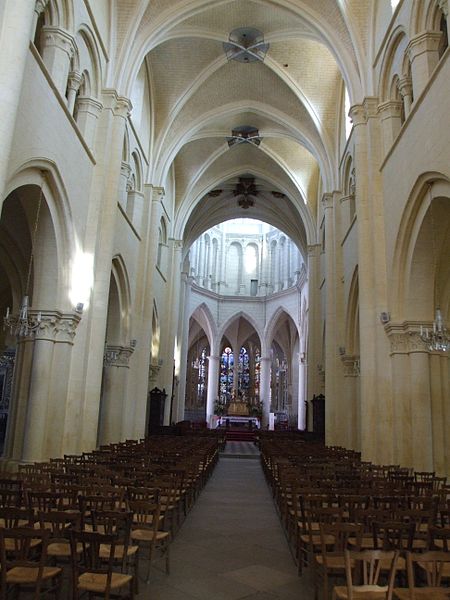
[
  {"x": 238, "y": 409},
  {"x": 239, "y": 421}
]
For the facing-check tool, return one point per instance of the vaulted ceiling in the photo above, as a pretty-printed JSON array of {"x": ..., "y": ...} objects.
[{"x": 294, "y": 98}]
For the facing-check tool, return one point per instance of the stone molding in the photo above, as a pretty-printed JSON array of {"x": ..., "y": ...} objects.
[
  {"x": 89, "y": 105},
  {"x": 405, "y": 337},
  {"x": 119, "y": 105},
  {"x": 313, "y": 249},
  {"x": 405, "y": 86},
  {"x": 390, "y": 109},
  {"x": 153, "y": 371},
  {"x": 59, "y": 38},
  {"x": 427, "y": 41}
]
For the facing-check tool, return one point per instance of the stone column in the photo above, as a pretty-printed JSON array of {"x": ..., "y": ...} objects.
[
  {"x": 58, "y": 47},
  {"x": 405, "y": 88},
  {"x": 97, "y": 239},
  {"x": 424, "y": 56},
  {"x": 213, "y": 384},
  {"x": 170, "y": 340},
  {"x": 301, "y": 395},
  {"x": 376, "y": 377},
  {"x": 48, "y": 379},
  {"x": 264, "y": 389},
  {"x": 315, "y": 384},
  {"x": 143, "y": 376},
  {"x": 114, "y": 411},
  {"x": 16, "y": 18},
  {"x": 88, "y": 111},
  {"x": 183, "y": 342},
  {"x": 391, "y": 122},
  {"x": 73, "y": 85}
]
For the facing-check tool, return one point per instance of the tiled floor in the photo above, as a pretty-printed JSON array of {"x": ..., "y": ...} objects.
[{"x": 231, "y": 545}]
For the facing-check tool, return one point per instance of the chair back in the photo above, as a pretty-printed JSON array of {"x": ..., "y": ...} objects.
[
  {"x": 436, "y": 565},
  {"x": 369, "y": 564}
]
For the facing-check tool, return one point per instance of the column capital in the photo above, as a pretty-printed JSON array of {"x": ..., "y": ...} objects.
[
  {"x": 351, "y": 365},
  {"x": 361, "y": 113},
  {"x": 443, "y": 5},
  {"x": 117, "y": 356},
  {"x": 74, "y": 81},
  {"x": 390, "y": 109},
  {"x": 119, "y": 105},
  {"x": 59, "y": 38},
  {"x": 405, "y": 338},
  {"x": 357, "y": 115},
  {"x": 40, "y": 6},
  {"x": 177, "y": 244},
  {"x": 54, "y": 326},
  {"x": 90, "y": 105},
  {"x": 405, "y": 86},
  {"x": 426, "y": 41}
]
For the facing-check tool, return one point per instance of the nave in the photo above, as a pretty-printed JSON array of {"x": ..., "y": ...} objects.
[{"x": 231, "y": 545}]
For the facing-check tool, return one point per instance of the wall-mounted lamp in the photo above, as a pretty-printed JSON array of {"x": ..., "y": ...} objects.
[
  {"x": 385, "y": 317},
  {"x": 79, "y": 308}
]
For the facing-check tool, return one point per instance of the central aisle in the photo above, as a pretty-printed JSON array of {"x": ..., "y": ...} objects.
[{"x": 231, "y": 545}]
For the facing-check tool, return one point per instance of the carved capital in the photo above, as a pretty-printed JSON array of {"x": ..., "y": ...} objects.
[
  {"x": 314, "y": 249},
  {"x": 370, "y": 104},
  {"x": 153, "y": 371},
  {"x": 55, "y": 326},
  {"x": 357, "y": 115},
  {"x": 74, "y": 81},
  {"x": 117, "y": 356},
  {"x": 405, "y": 338},
  {"x": 40, "y": 6},
  {"x": 443, "y": 5},
  {"x": 351, "y": 365},
  {"x": 405, "y": 86}
]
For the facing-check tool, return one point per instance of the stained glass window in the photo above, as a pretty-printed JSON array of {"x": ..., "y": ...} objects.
[
  {"x": 226, "y": 374},
  {"x": 243, "y": 371}
]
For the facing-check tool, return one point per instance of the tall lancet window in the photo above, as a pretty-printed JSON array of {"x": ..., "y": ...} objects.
[
  {"x": 226, "y": 374},
  {"x": 243, "y": 372}
]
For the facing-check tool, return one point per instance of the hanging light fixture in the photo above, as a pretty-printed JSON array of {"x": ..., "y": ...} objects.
[
  {"x": 437, "y": 339},
  {"x": 24, "y": 324}
]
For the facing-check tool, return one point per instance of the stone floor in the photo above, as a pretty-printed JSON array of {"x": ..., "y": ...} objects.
[{"x": 231, "y": 545}]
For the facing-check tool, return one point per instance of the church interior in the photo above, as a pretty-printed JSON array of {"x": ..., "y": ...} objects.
[
  {"x": 221, "y": 214},
  {"x": 240, "y": 201}
]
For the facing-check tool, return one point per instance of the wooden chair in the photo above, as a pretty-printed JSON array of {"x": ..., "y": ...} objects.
[
  {"x": 145, "y": 531},
  {"x": 94, "y": 573},
  {"x": 23, "y": 565},
  {"x": 368, "y": 563},
  {"x": 433, "y": 564},
  {"x": 118, "y": 523},
  {"x": 334, "y": 540}
]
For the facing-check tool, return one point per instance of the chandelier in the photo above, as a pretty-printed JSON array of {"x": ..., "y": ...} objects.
[
  {"x": 25, "y": 324},
  {"x": 437, "y": 339}
]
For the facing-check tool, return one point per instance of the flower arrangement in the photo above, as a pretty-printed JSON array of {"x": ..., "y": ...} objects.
[
  {"x": 255, "y": 410},
  {"x": 219, "y": 407}
]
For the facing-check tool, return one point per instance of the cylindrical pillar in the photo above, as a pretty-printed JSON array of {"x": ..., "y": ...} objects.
[
  {"x": 213, "y": 382},
  {"x": 264, "y": 387}
]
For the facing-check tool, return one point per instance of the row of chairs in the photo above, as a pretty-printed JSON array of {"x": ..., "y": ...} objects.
[
  {"x": 98, "y": 534},
  {"x": 333, "y": 505}
]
